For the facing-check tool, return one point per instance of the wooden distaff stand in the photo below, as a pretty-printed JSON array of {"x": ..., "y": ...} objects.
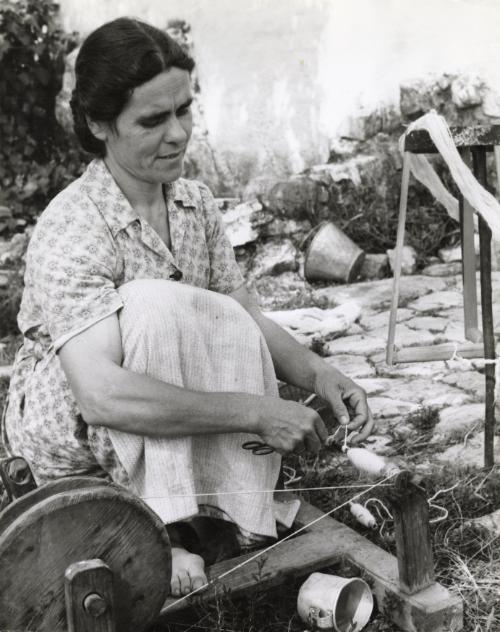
[
  {"x": 81, "y": 555},
  {"x": 476, "y": 141}
]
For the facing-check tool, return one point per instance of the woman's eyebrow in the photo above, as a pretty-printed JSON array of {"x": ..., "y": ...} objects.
[{"x": 156, "y": 113}]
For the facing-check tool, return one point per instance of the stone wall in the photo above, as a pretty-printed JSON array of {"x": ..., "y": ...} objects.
[{"x": 358, "y": 189}]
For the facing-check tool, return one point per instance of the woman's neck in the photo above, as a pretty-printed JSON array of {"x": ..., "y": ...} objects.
[{"x": 144, "y": 197}]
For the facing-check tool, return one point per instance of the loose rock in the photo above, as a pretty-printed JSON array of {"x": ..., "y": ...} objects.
[
  {"x": 443, "y": 269},
  {"x": 467, "y": 92},
  {"x": 274, "y": 258},
  {"x": 244, "y": 221},
  {"x": 375, "y": 266},
  {"x": 317, "y": 321},
  {"x": 299, "y": 197},
  {"x": 408, "y": 259}
]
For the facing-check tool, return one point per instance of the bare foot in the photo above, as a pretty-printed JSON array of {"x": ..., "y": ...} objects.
[{"x": 188, "y": 572}]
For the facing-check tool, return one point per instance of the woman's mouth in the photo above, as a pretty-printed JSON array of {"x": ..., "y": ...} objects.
[{"x": 172, "y": 156}]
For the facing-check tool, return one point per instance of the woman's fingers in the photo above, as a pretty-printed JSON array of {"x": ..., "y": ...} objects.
[
  {"x": 348, "y": 402},
  {"x": 368, "y": 428},
  {"x": 292, "y": 427}
]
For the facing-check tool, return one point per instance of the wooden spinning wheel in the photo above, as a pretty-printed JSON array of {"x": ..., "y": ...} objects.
[{"x": 81, "y": 554}]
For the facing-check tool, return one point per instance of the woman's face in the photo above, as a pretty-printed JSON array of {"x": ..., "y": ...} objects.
[{"x": 149, "y": 137}]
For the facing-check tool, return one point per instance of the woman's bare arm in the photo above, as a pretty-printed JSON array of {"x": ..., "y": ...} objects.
[
  {"x": 297, "y": 365},
  {"x": 109, "y": 395}
]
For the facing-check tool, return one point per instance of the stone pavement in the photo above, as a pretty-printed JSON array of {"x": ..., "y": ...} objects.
[{"x": 431, "y": 312}]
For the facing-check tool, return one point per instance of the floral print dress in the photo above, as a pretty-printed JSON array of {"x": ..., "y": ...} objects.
[{"x": 87, "y": 243}]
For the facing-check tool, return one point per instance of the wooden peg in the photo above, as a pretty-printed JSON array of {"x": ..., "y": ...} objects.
[
  {"x": 17, "y": 477},
  {"x": 413, "y": 538},
  {"x": 89, "y": 597}
]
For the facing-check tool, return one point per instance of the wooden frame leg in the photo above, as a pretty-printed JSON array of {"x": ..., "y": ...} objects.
[
  {"x": 472, "y": 331},
  {"x": 403, "y": 204},
  {"x": 413, "y": 538},
  {"x": 479, "y": 167}
]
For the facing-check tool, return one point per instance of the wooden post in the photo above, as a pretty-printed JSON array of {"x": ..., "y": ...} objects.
[
  {"x": 472, "y": 332},
  {"x": 89, "y": 597},
  {"x": 413, "y": 538},
  {"x": 403, "y": 204},
  {"x": 479, "y": 167}
]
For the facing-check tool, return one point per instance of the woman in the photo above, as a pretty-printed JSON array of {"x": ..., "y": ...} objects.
[{"x": 144, "y": 358}]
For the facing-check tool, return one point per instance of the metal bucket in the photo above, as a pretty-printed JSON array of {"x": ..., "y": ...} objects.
[
  {"x": 331, "y": 255},
  {"x": 329, "y": 602}
]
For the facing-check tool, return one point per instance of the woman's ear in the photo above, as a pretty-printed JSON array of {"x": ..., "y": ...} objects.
[{"x": 98, "y": 128}]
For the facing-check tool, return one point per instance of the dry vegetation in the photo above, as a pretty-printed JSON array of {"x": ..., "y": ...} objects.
[{"x": 467, "y": 558}]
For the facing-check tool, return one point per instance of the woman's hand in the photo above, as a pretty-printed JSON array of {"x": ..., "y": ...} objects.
[
  {"x": 347, "y": 400},
  {"x": 288, "y": 426}
]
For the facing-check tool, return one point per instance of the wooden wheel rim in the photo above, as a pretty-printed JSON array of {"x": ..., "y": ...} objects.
[{"x": 22, "y": 504}]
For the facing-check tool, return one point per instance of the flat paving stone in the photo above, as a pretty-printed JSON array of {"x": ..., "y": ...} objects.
[
  {"x": 454, "y": 332},
  {"x": 436, "y": 301},
  {"x": 452, "y": 314},
  {"x": 378, "y": 385},
  {"x": 406, "y": 337},
  {"x": 378, "y": 294},
  {"x": 425, "y": 391},
  {"x": 455, "y": 397},
  {"x": 471, "y": 382},
  {"x": 378, "y": 321},
  {"x": 470, "y": 455},
  {"x": 456, "y": 421},
  {"x": 354, "y": 366},
  {"x": 413, "y": 369},
  {"x": 434, "y": 324},
  {"x": 383, "y": 407},
  {"x": 361, "y": 344}
]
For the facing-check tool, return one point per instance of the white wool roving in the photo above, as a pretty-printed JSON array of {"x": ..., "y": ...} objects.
[{"x": 481, "y": 200}]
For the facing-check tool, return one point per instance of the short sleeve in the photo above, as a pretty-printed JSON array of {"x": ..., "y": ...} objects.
[
  {"x": 69, "y": 276},
  {"x": 225, "y": 274}
]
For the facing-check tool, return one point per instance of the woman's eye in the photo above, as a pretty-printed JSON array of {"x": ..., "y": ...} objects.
[
  {"x": 183, "y": 111},
  {"x": 149, "y": 123}
]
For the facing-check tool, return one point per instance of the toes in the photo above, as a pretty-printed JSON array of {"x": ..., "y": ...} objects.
[
  {"x": 185, "y": 582},
  {"x": 175, "y": 586},
  {"x": 198, "y": 581}
]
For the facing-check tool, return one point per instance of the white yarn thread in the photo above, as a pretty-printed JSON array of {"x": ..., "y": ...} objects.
[
  {"x": 275, "y": 544},
  {"x": 478, "y": 197}
]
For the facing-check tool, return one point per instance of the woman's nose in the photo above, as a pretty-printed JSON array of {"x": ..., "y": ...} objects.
[{"x": 175, "y": 132}]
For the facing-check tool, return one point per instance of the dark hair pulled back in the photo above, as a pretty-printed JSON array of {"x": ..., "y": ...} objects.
[{"x": 113, "y": 60}]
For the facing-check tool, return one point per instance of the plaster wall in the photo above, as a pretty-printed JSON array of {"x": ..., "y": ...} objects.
[{"x": 279, "y": 77}]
